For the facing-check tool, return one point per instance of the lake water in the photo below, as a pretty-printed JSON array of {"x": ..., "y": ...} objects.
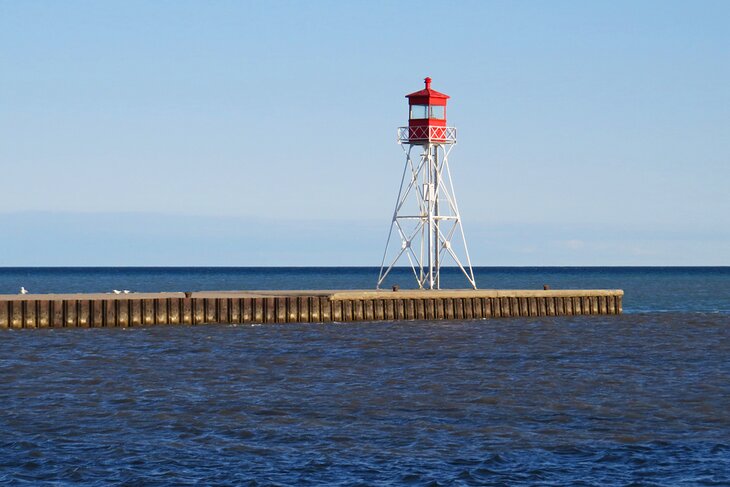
[{"x": 637, "y": 399}]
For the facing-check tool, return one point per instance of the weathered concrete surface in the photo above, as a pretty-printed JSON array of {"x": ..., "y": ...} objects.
[{"x": 141, "y": 309}]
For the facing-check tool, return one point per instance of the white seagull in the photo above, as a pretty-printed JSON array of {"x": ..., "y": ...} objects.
[
  {"x": 117, "y": 291},
  {"x": 23, "y": 290}
]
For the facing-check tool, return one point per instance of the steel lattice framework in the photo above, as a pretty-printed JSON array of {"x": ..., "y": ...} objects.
[{"x": 426, "y": 219}]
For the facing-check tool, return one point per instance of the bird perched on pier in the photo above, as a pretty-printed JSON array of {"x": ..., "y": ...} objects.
[
  {"x": 117, "y": 291},
  {"x": 23, "y": 290}
]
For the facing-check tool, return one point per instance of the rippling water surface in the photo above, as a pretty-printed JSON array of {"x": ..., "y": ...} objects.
[{"x": 640, "y": 399}]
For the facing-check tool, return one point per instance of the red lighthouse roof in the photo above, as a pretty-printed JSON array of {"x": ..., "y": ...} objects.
[{"x": 427, "y": 96}]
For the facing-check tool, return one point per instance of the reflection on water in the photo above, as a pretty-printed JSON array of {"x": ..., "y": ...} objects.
[{"x": 640, "y": 398}]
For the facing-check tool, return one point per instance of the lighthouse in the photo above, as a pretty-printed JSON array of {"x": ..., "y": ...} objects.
[{"x": 426, "y": 229}]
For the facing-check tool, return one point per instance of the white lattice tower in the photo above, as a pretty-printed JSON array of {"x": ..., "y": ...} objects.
[{"x": 426, "y": 226}]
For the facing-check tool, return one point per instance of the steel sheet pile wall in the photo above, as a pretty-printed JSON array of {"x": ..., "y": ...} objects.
[{"x": 100, "y": 310}]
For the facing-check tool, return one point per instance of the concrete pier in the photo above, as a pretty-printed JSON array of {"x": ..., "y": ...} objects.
[{"x": 144, "y": 309}]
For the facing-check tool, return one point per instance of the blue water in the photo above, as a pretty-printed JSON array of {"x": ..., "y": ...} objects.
[{"x": 638, "y": 399}]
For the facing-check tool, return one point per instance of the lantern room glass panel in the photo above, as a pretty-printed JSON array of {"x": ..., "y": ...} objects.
[
  {"x": 419, "y": 112},
  {"x": 438, "y": 111}
]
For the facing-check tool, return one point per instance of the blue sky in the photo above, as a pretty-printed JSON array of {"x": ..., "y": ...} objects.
[{"x": 263, "y": 133}]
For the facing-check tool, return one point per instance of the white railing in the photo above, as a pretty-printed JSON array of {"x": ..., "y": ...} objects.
[{"x": 444, "y": 135}]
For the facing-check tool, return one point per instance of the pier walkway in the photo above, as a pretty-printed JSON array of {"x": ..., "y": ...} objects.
[{"x": 197, "y": 308}]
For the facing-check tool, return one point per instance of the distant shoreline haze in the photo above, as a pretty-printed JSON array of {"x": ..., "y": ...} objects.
[{"x": 142, "y": 239}]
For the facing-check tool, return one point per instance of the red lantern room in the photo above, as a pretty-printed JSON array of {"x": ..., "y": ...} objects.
[{"x": 427, "y": 117}]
